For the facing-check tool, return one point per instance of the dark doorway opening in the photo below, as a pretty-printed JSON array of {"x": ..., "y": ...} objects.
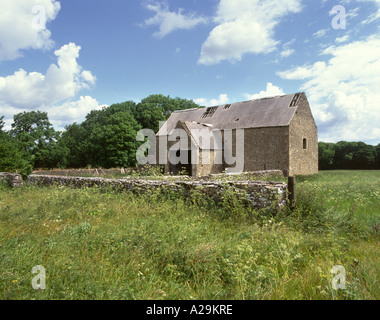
[{"x": 182, "y": 168}]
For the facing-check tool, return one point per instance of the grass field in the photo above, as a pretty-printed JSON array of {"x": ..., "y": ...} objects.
[{"x": 101, "y": 244}]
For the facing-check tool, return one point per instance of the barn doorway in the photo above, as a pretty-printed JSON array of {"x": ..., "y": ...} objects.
[{"x": 182, "y": 168}]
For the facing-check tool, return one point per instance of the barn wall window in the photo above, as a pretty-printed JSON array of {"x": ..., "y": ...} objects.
[{"x": 304, "y": 143}]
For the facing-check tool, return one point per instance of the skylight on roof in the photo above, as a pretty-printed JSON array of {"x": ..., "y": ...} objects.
[
  {"x": 209, "y": 112},
  {"x": 295, "y": 100}
]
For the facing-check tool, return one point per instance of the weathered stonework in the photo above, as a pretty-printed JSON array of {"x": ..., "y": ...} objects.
[
  {"x": 254, "y": 193},
  {"x": 303, "y": 141},
  {"x": 266, "y": 148},
  {"x": 14, "y": 180}
]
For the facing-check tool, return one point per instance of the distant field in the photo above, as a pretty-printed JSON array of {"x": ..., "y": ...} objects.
[{"x": 101, "y": 244}]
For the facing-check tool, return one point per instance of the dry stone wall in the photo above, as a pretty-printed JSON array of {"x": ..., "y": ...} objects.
[
  {"x": 253, "y": 193},
  {"x": 14, "y": 180}
]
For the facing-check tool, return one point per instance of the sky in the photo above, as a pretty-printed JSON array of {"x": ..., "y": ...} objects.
[{"x": 69, "y": 57}]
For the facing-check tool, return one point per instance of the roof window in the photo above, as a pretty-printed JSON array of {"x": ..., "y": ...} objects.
[
  {"x": 295, "y": 100},
  {"x": 209, "y": 112}
]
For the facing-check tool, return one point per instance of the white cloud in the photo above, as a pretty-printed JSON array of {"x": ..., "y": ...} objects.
[
  {"x": 342, "y": 39},
  {"x": 34, "y": 89},
  {"x": 344, "y": 91},
  {"x": 287, "y": 53},
  {"x": 271, "y": 91},
  {"x": 71, "y": 111},
  {"x": 320, "y": 33},
  {"x": 21, "y": 28},
  {"x": 59, "y": 115},
  {"x": 245, "y": 26},
  {"x": 23, "y": 91},
  {"x": 223, "y": 99},
  {"x": 169, "y": 21}
]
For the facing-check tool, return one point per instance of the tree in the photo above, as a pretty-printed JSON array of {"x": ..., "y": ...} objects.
[
  {"x": 364, "y": 156},
  {"x": 110, "y": 135},
  {"x": 347, "y": 155},
  {"x": 157, "y": 107},
  {"x": 13, "y": 158},
  {"x": 37, "y": 137},
  {"x": 344, "y": 152},
  {"x": 75, "y": 145},
  {"x": 326, "y": 155},
  {"x": 378, "y": 156}
]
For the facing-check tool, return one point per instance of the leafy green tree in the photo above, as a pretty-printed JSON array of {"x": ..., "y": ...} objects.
[
  {"x": 37, "y": 137},
  {"x": 12, "y": 156},
  {"x": 326, "y": 155},
  {"x": 378, "y": 156},
  {"x": 347, "y": 155},
  {"x": 74, "y": 143},
  {"x": 344, "y": 152},
  {"x": 364, "y": 156},
  {"x": 111, "y": 136},
  {"x": 157, "y": 107}
]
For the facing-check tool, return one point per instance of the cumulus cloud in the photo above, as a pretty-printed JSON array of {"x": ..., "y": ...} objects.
[
  {"x": 169, "y": 21},
  {"x": 344, "y": 91},
  {"x": 271, "y": 91},
  {"x": 245, "y": 26},
  {"x": 61, "y": 81},
  {"x": 223, "y": 99},
  {"x": 71, "y": 111},
  {"x": 60, "y": 115},
  {"x": 23, "y": 26},
  {"x": 23, "y": 91}
]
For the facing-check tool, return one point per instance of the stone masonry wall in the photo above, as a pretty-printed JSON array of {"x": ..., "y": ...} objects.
[
  {"x": 14, "y": 180},
  {"x": 303, "y": 159},
  {"x": 253, "y": 193}
]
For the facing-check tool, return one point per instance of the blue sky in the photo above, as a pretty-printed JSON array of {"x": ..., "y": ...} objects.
[{"x": 72, "y": 56}]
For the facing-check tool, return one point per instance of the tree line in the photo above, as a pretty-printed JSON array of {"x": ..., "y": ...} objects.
[
  {"x": 348, "y": 156},
  {"x": 105, "y": 139}
]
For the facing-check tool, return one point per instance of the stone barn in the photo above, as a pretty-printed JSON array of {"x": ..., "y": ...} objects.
[{"x": 277, "y": 133}]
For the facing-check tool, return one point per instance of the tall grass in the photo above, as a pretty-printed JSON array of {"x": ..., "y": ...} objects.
[{"x": 103, "y": 244}]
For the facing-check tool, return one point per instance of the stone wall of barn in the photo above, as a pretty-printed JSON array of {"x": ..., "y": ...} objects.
[
  {"x": 303, "y": 141},
  {"x": 266, "y": 149}
]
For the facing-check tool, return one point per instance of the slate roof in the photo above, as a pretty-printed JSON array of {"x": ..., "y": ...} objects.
[{"x": 268, "y": 112}]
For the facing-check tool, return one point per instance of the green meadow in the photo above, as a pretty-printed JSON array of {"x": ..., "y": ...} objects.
[{"x": 103, "y": 244}]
